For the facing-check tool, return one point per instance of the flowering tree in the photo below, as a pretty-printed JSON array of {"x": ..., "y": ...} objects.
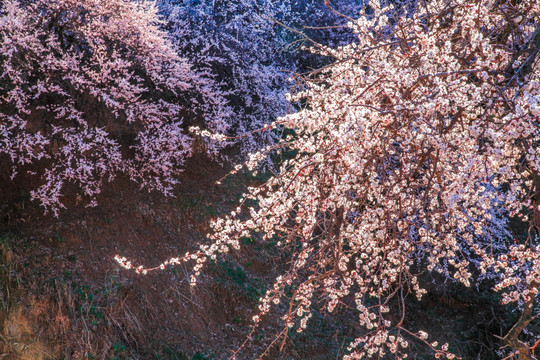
[
  {"x": 89, "y": 89},
  {"x": 411, "y": 148},
  {"x": 406, "y": 144}
]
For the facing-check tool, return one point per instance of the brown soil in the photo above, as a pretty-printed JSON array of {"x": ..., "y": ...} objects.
[{"x": 66, "y": 298}]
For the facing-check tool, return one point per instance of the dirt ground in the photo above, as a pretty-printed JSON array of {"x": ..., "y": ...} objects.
[{"x": 66, "y": 298}]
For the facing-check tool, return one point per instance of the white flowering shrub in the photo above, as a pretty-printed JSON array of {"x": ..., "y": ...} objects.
[
  {"x": 404, "y": 146},
  {"x": 91, "y": 89}
]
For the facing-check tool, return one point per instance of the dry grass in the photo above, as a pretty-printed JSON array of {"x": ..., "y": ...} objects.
[{"x": 43, "y": 319}]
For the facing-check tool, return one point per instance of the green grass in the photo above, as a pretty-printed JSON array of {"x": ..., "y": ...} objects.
[
  {"x": 252, "y": 288},
  {"x": 199, "y": 356}
]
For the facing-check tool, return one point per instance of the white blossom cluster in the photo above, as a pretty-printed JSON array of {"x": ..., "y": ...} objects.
[
  {"x": 238, "y": 43},
  {"x": 520, "y": 270}
]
